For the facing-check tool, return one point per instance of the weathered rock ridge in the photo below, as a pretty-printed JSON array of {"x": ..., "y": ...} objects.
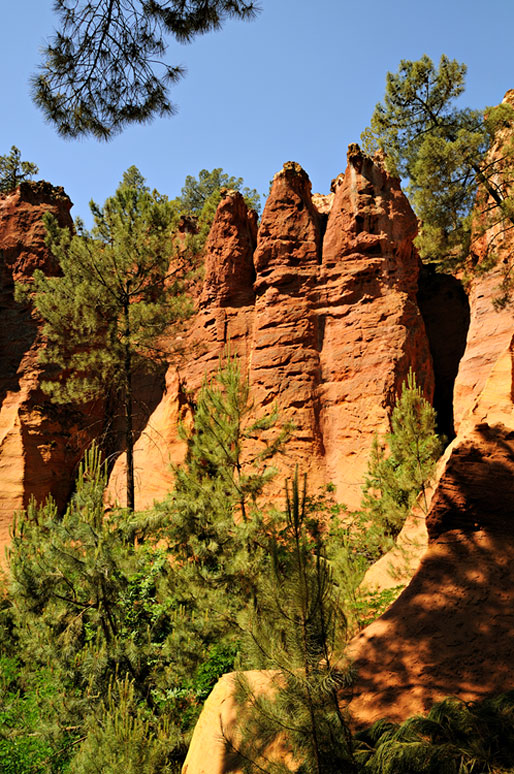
[
  {"x": 320, "y": 306},
  {"x": 451, "y": 630}
]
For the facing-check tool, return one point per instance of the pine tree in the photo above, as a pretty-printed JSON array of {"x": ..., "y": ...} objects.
[
  {"x": 196, "y": 192},
  {"x": 121, "y": 736},
  {"x": 296, "y": 627},
  {"x": 13, "y": 170},
  {"x": 99, "y": 70},
  {"x": 114, "y": 297},
  {"x": 93, "y": 612},
  {"x": 215, "y": 522},
  {"x": 441, "y": 150},
  {"x": 399, "y": 469}
]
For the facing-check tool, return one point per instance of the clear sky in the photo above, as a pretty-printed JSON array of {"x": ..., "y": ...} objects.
[{"x": 299, "y": 83}]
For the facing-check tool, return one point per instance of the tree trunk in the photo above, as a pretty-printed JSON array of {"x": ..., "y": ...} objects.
[{"x": 129, "y": 435}]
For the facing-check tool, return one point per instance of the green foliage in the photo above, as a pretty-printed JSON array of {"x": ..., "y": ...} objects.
[
  {"x": 196, "y": 192},
  {"x": 100, "y": 614},
  {"x": 129, "y": 642},
  {"x": 441, "y": 149},
  {"x": 454, "y": 738},
  {"x": 99, "y": 71},
  {"x": 212, "y": 523},
  {"x": 296, "y": 626},
  {"x": 72, "y": 582},
  {"x": 399, "y": 469},
  {"x": 122, "y": 737},
  {"x": 13, "y": 170},
  {"x": 23, "y": 746},
  {"x": 200, "y": 197},
  {"x": 115, "y": 294}
]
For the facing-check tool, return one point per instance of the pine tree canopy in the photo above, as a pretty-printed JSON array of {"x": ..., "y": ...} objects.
[
  {"x": 13, "y": 170},
  {"x": 441, "y": 148},
  {"x": 116, "y": 294},
  {"x": 197, "y": 192},
  {"x": 99, "y": 71}
]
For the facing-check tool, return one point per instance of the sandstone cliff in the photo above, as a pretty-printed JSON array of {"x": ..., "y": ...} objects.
[{"x": 320, "y": 305}]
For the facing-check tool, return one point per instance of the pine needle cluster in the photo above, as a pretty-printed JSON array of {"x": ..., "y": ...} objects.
[
  {"x": 13, "y": 170},
  {"x": 100, "y": 71},
  {"x": 454, "y": 738},
  {"x": 296, "y": 628}
]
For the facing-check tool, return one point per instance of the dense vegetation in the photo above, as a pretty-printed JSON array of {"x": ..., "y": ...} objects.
[
  {"x": 122, "y": 623},
  {"x": 115, "y": 627}
]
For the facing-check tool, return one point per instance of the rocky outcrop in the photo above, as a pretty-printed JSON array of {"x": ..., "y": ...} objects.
[
  {"x": 320, "y": 306},
  {"x": 490, "y": 332},
  {"x": 40, "y": 444},
  {"x": 451, "y": 632}
]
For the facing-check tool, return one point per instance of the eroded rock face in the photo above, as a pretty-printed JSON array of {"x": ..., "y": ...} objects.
[
  {"x": 40, "y": 444},
  {"x": 450, "y": 633},
  {"x": 320, "y": 306}
]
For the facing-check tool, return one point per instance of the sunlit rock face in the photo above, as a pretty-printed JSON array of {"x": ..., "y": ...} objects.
[
  {"x": 319, "y": 304},
  {"x": 450, "y": 633}
]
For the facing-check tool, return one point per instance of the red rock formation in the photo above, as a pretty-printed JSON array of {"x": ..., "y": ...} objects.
[
  {"x": 451, "y": 631},
  {"x": 325, "y": 321},
  {"x": 225, "y": 314},
  {"x": 372, "y": 329},
  {"x": 39, "y": 443}
]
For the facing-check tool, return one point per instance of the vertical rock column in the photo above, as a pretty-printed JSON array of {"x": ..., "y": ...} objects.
[
  {"x": 226, "y": 304},
  {"x": 224, "y": 319},
  {"x": 366, "y": 304},
  {"x": 285, "y": 365}
]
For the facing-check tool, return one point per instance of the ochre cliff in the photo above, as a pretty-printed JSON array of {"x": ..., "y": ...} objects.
[
  {"x": 320, "y": 306},
  {"x": 450, "y": 632},
  {"x": 320, "y": 303},
  {"x": 40, "y": 444}
]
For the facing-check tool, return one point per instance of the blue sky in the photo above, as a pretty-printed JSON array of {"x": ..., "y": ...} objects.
[{"x": 299, "y": 83}]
